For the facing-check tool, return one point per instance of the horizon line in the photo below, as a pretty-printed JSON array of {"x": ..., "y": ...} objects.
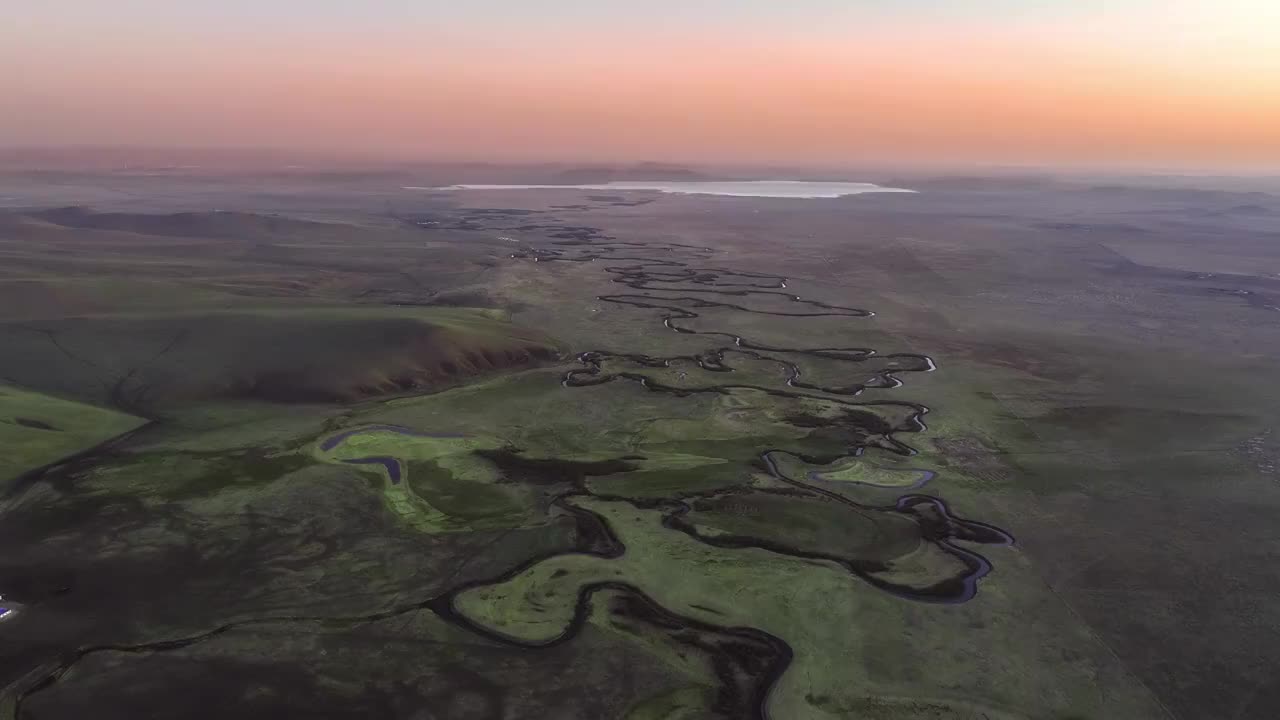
[{"x": 371, "y": 158}]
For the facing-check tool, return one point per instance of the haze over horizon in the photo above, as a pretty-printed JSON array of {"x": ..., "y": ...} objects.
[{"x": 1132, "y": 83}]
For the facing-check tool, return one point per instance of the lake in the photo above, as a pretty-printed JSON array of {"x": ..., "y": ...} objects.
[{"x": 734, "y": 188}]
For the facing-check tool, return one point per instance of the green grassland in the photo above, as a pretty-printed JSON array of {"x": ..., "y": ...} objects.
[
  {"x": 441, "y": 484},
  {"x": 636, "y": 535},
  {"x": 150, "y": 361},
  {"x": 305, "y": 668},
  {"x": 37, "y": 430},
  {"x": 152, "y": 313},
  {"x": 674, "y": 560},
  {"x": 836, "y": 673},
  {"x": 857, "y": 471}
]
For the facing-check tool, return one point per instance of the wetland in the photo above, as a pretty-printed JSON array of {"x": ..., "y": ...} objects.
[{"x": 512, "y": 453}]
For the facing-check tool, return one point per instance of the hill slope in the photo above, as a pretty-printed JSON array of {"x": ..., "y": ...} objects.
[
  {"x": 37, "y": 430},
  {"x": 147, "y": 362}
]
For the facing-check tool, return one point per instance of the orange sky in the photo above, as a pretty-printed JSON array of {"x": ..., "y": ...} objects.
[{"x": 1123, "y": 90}]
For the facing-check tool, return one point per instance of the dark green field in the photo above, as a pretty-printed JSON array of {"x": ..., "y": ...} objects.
[{"x": 1002, "y": 449}]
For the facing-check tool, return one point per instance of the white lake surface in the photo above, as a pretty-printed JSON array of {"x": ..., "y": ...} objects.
[{"x": 734, "y": 188}]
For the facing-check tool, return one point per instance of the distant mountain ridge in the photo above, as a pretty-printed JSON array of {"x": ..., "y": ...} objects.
[
  {"x": 207, "y": 224},
  {"x": 643, "y": 171}
]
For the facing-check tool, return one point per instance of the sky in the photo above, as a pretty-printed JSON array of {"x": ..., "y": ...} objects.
[{"x": 1101, "y": 83}]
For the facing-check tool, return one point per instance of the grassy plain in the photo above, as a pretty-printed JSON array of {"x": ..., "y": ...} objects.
[
  {"x": 675, "y": 526},
  {"x": 37, "y": 430}
]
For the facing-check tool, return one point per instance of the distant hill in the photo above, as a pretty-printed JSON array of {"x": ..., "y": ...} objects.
[
  {"x": 643, "y": 171},
  {"x": 152, "y": 313},
  {"x": 1248, "y": 209},
  {"x": 190, "y": 224},
  {"x": 149, "y": 362}
]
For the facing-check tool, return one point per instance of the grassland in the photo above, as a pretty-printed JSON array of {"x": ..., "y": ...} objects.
[
  {"x": 393, "y": 469},
  {"x": 155, "y": 360},
  {"x": 37, "y": 430}
]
